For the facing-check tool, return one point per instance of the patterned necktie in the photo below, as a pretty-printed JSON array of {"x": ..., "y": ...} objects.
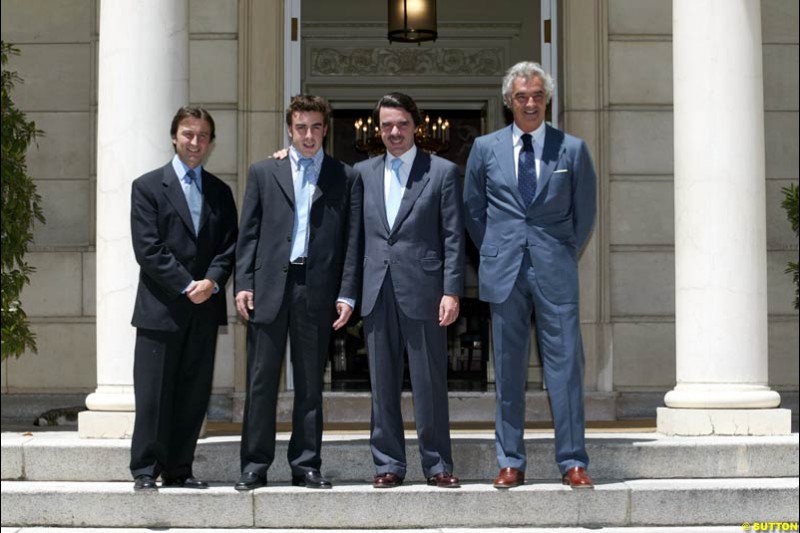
[
  {"x": 302, "y": 207},
  {"x": 526, "y": 171},
  {"x": 395, "y": 192},
  {"x": 194, "y": 198}
]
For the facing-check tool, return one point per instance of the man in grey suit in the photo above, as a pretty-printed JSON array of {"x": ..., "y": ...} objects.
[
  {"x": 530, "y": 195},
  {"x": 297, "y": 266},
  {"x": 413, "y": 278}
]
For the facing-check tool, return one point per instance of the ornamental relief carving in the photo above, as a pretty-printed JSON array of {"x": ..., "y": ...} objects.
[{"x": 389, "y": 61}]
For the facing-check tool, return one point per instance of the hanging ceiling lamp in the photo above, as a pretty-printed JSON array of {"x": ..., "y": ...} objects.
[{"x": 412, "y": 21}]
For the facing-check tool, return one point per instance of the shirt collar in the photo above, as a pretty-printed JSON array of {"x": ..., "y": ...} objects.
[
  {"x": 295, "y": 156},
  {"x": 181, "y": 169},
  {"x": 537, "y": 134},
  {"x": 407, "y": 158}
]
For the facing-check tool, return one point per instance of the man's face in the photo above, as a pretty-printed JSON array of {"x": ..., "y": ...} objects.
[
  {"x": 192, "y": 141},
  {"x": 397, "y": 130},
  {"x": 307, "y": 131},
  {"x": 528, "y": 103}
]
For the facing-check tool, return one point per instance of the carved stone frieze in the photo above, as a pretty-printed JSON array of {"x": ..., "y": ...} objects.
[{"x": 403, "y": 61}]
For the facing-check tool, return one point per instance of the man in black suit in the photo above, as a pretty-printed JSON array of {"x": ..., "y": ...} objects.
[
  {"x": 183, "y": 227},
  {"x": 413, "y": 279},
  {"x": 297, "y": 272}
]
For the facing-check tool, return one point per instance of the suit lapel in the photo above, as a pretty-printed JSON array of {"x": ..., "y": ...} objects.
[
  {"x": 553, "y": 144},
  {"x": 504, "y": 153},
  {"x": 283, "y": 175},
  {"x": 324, "y": 182},
  {"x": 417, "y": 180},
  {"x": 208, "y": 195},
  {"x": 374, "y": 188},
  {"x": 175, "y": 195}
]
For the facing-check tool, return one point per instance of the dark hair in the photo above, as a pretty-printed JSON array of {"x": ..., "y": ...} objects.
[
  {"x": 308, "y": 103},
  {"x": 399, "y": 100},
  {"x": 194, "y": 112}
]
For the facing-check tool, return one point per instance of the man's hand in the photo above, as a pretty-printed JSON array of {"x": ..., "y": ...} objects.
[
  {"x": 281, "y": 154},
  {"x": 244, "y": 303},
  {"x": 448, "y": 310},
  {"x": 200, "y": 291},
  {"x": 344, "y": 311}
]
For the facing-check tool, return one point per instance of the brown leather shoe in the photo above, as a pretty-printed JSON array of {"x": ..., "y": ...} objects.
[
  {"x": 577, "y": 478},
  {"x": 444, "y": 480},
  {"x": 387, "y": 480},
  {"x": 509, "y": 478}
]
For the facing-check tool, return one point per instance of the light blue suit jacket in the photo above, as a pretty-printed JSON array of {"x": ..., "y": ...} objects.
[{"x": 553, "y": 229}]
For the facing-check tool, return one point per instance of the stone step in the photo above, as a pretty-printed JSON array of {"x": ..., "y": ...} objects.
[
  {"x": 778, "y": 526},
  {"x": 612, "y": 503},
  {"x": 62, "y": 456}
]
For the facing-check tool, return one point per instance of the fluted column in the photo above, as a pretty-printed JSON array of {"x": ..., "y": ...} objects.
[
  {"x": 720, "y": 225},
  {"x": 143, "y": 76}
]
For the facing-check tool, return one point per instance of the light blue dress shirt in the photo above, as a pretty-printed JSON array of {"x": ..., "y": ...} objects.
[{"x": 303, "y": 196}]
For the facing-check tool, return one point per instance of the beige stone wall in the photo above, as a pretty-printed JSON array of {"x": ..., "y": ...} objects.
[
  {"x": 617, "y": 86},
  {"x": 639, "y": 193},
  {"x": 58, "y": 45},
  {"x": 58, "y": 61}
]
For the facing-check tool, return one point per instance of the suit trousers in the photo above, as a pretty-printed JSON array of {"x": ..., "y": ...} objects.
[
  {"x": 389, "y": 333},
  {"x": 172, "y": 376},
  {"x": 266, "y": 345},
  {"x": 561, "y": 349}
]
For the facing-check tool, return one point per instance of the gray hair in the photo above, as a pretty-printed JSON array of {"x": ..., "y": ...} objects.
[{"x": 526, "y": 70}]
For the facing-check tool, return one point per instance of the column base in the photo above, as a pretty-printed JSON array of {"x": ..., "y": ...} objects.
[
  {"x": 105, "y": 424},
  {"x": 696, "y": 422}
]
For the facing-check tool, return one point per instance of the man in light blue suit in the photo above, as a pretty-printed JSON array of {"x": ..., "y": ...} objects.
[{"x": 529, "y": 195}]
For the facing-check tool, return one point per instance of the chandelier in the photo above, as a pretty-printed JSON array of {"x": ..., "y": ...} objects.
[{"x": 433, "y": 136}]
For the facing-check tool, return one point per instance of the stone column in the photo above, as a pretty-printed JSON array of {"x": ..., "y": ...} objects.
[
  {"x": 720, "y": 225},
  {"x": 143, "y": 76}
]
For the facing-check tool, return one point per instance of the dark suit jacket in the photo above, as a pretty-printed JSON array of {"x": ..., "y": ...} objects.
[
  {"x": 557, "y": 223},
  {"x": 425, "y": 248},
  {"x": 171, "y": 255},
  {"x": 264, "y": 245}
]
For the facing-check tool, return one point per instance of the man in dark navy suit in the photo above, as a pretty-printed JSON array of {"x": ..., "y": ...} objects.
[
  {"x": 297, "y": 272},
  {"x": 183, "y": 227}
]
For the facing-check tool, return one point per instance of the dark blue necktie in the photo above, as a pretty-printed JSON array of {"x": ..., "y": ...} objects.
[{"x": 526, "y": 171}]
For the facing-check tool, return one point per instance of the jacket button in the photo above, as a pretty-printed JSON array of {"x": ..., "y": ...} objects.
[
  {"x": 385, "y": 261},
  {"x": 391, "y": 241},
  {"x": 289, "y": 238},
  {"x": 285, "y": 269}
]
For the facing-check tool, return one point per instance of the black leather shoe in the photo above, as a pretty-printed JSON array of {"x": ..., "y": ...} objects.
[
  {"x": 312, "y": 480},
  {"x": 144, "y": 482},
  {"x": 250, "y": 481},
  {"x": 189, "y": 482}
]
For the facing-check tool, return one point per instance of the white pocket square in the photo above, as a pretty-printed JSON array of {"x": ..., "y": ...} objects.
[{"x": 561, "y": 170}]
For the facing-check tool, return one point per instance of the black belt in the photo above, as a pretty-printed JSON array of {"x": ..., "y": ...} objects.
[{"x": 299, "y": 261}]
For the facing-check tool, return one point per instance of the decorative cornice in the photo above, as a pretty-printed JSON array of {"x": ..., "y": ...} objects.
[
  {"x": 403, "y": 61},
  {"x": 447, "y": 30}
]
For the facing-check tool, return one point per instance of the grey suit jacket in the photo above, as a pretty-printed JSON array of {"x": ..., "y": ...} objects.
[
  {"x": 553, "y": 229},
  {"x": 425, "y": 249},
  {"x": 264, "y": 245}
]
